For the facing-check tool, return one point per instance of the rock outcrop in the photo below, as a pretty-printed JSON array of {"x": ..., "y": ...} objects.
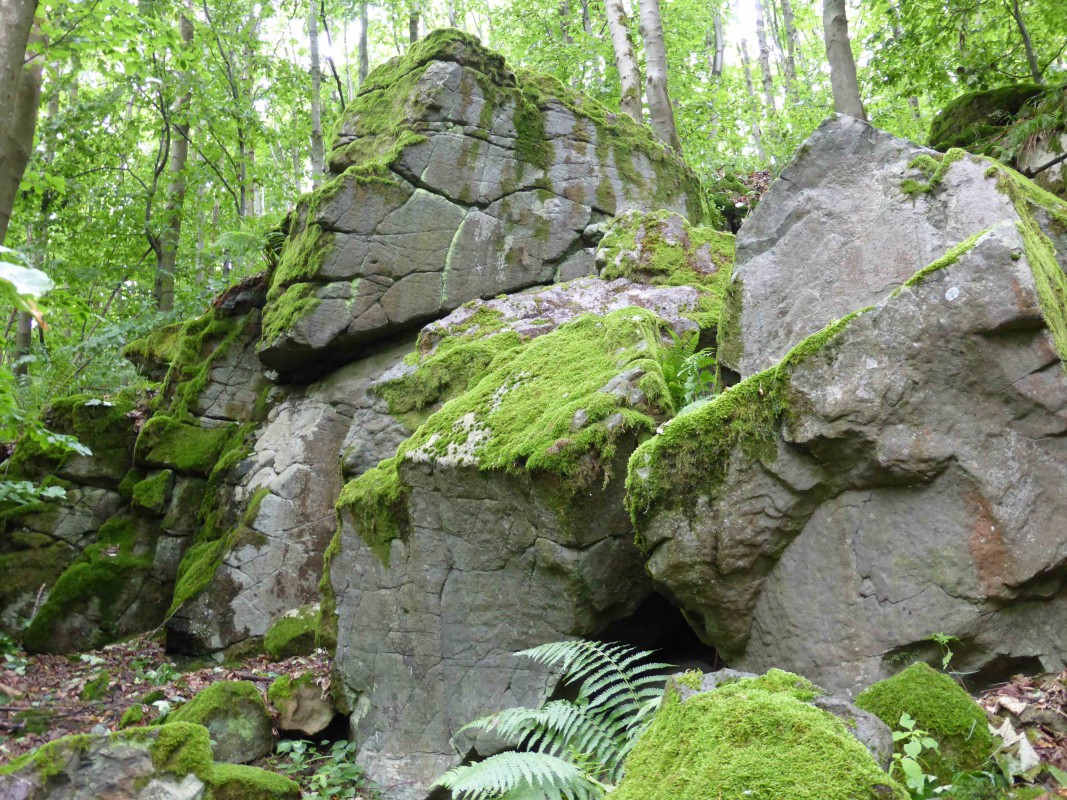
[
  {"x": 902, "y": 472},
  {"x": 453, "y": 180}
]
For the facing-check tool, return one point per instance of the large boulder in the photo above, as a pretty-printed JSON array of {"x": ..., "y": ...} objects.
[
  {"x": 500, "y": 523},
  {"x": 454, "y": 179},
  {"x": 902, "y": 472}
]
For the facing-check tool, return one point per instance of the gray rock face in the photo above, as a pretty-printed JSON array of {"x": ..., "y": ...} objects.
[
  {"x": 836, "y": 233},
  {"x": 491, "y": 566},
  {"x": 917, "y": 484},
  {"x": 488, "y": 191},
  {"x": 290, "y": 480}
]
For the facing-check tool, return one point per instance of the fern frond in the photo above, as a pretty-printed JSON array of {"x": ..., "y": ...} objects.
[{"x": 520, "y": 775}]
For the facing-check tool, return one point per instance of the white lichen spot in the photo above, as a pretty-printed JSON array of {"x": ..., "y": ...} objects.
[{"x": 952, "y": 294}]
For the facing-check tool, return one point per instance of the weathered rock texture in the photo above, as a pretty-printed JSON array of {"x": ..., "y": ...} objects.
[
  {"x": 835, "y": 233},
  {"x": 899, "y": 474},
  {"x": 454, "y": 180}
]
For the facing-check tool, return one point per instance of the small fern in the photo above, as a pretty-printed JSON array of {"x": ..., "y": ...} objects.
[
  {"x": 688, "y": 372},
  {"x": 568, "y": 750}
]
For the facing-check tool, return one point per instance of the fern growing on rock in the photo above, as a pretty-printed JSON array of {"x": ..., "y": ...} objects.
[{"x": 567, "y": 750}]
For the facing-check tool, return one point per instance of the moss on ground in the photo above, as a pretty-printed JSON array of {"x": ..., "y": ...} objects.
[
  {"x": 939, "y": 706},
  {"x": 751, "y": 741},
  {"x": 181, "y": 747},
  {"x": 292, "y": 634},
  {"x": 240, "y": 782},
  {"x": 134, "y": 715},
  {"x": 692, "y": 451}
]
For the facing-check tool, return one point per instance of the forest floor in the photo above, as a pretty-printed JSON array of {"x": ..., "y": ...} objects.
[{"x": 44, "y": 697}]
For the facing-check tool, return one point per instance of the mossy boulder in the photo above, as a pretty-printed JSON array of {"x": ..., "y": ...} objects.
[
  {"x": 887, "y": 422},
  {"x": 751, "y": 739},
  {"x": 153, "y": 493},
  {"x": 293, "y": 634},
  {"x": 172, "y": 761},
  {"x": 940, "y": 706},
  {"x": 153, "y": 354},
  {"x": 512, "y": 167},
  {"x": 237, "y": 717},
  {"x": 109, "y": 591},
  {"x": 974, "y": 120}
]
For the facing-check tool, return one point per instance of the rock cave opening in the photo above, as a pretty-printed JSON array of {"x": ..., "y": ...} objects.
[{"x": 658, "y": 625}]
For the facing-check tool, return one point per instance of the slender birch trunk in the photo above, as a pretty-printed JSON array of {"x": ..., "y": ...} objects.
[
  {"x": 790, "y": 25},
  {"x": 656, "y": 92},
  {"x": 757, "y": 135},
  {"x": 1028, "y": 45},
  {"x": 364, "y": 50},
  {"x": 625, "y": 59},
  {"x": 764, "y": 58},
  {"x": 318, "y": 151}
]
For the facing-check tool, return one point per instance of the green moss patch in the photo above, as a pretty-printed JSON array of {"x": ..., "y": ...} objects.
[
  {"x": 1049, "y": 277},
  {"x": 239, "y": 782},
  {"x": 743, "y": 742},
  {"x": 52, "y": 758},
  {"x": 976, "y": 120},
  {"x": 153, "y": 354},
  {"x": 293, "y": 634},
  {"x": 374, "y": 502},
  {"x": 236, "y": 716},
  {"x": 165, "y": 442},
  {"x": 940, "y": 706},
  {"x": 692, "y": 451},
  {"x": 153, "y": 492},
  {"x": 181, "y": 748},
  {"x": 934, "y": 168},
  {"x": 284, "y": 687}
]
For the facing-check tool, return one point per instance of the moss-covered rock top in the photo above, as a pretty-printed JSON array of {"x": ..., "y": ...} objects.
[
  {"x": 293, "y": 634},
  {"x": 974, "y": 119},
  {"x": 940, "y": 706},
  {"x": 754, "y": 739},
  {"x": 557, "y": 404},
  {"x": 237, "y": 717}
]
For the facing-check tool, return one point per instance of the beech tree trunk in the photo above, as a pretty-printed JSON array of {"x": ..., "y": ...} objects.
[
  {"x": 764, "y": 58},
  {"x": 167, "y": 252},
  {"x": 364, "y": 50},
  {"x": 789, "y": 22},
  {"x": 20, "y": 92},
  {"x": 318, "y": 151},
  {"x": 656, "y": 94},
  {"x": 843, "y": 79},
  {"x": 757, "y": 135},
  {"x": 625, "y": 59}
]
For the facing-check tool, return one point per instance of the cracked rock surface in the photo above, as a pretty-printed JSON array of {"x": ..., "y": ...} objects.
[
  {"x": 917, "y": 481},
  {"x": 473, "y": 205}
]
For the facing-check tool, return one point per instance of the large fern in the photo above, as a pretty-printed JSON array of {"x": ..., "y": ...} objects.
[
  {"x": 569, "y": 750},
  {"x": 689, "y": 373}
]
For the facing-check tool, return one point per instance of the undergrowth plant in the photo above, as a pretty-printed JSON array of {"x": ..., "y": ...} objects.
[
  {"x": 908, "y": 764},
  {"x": 689, "y": 373},
  {"x": 324, "y": 773},
  {"x": 564, "y": 749}
]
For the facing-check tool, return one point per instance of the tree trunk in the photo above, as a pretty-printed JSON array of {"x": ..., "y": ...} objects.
[
  {"x": 413, "y": 26},
  {"x": 16, "y": 20},
  {"x": 450, "y": 11},
  {"x": 364, "y": 50},
  {"x": 843, "y": 79},
  {"x": 898, "y": 33},
  {"x": 757, "y": 136},
  {"x": 167, "y": 252},
  {"x": 20, "y": 94},
  {"x": 716, "y": 46},
  {"x": 789, "y": 21},
  {"x": 764, "y": 58},
  {"x": 318, "y": 151},
  {"x": 625, "y": 60},
  {"x": 656, "y": 94},
  {"x": 1031, "y": 59}
]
